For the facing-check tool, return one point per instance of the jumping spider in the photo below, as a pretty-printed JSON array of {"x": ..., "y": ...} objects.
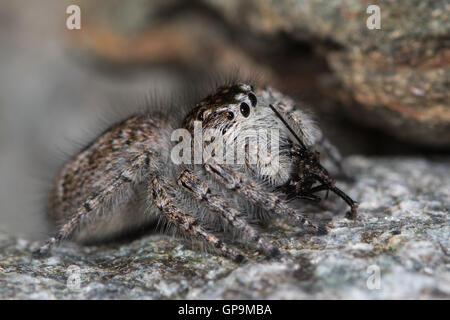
[{"x": 125, "y": 178}]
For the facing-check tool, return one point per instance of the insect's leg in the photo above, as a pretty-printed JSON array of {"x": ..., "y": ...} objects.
[
  {"x": 93, "y": 203},
  {"x": 255, "y": 193},
  {"x": 162, "y": 194},
  {"x": 325, "y": 147},
  {"x": 217, "y": 203}
]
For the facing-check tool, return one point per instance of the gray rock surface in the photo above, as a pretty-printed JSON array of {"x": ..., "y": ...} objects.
[{"x": 401, "y": 235}]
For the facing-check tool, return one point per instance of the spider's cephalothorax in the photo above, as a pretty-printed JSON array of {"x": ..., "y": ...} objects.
[
  {"x": 236, "y": 114},
  {"x": 125, "y": 178}
]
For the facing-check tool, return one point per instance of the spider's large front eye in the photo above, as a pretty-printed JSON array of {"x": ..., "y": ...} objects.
[{"x": 245, "y": 109}]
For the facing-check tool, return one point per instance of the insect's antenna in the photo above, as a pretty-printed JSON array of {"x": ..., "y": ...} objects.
[{"x": 287, "y": 126}]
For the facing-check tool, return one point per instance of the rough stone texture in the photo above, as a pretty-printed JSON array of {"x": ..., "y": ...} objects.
[
  {"x": 158, "y": 33},
  {"x": 403, "y": 229}
]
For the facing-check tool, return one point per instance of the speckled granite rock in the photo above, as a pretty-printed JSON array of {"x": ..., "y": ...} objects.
[{"x": 402, "y": 235}]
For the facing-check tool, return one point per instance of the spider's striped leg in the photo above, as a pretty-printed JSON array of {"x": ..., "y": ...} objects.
[
  {"x": 218, "y": 204},
  {"x": 255, "y": 193},
  {"x": 163, "y": 195},
  {"x": 95, "y": 201}
]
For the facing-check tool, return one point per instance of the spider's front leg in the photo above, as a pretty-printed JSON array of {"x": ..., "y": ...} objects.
[
  {"x": 255, "y": 193},
  {"x": 218, "y": 204},
  {"x": 162, "y": 192}
]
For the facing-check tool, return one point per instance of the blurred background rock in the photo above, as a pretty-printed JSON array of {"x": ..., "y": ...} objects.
[{"x": 374, "y": 91}]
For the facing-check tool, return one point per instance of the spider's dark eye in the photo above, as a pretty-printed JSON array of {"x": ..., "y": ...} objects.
[
  {"x": 245, "y": 109},
  {"x": 230, "y": 115},
  {"x": 253, "y": 99},
  {"x": 200, "y": 115}
]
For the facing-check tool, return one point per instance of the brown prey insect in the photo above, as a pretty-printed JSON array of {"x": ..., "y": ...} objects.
[{"x": 126, "y": 177}]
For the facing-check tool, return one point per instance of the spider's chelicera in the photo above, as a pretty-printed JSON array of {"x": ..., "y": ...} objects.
[{"x": 242, "y": 153}]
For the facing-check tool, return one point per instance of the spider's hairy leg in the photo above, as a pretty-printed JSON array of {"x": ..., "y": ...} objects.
[
  {"x": 216, "y": 203},
  {"x": 95, "y": 201},
  {"x": 253, "y": 192},
  {"x": 161, "y": 191}
]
